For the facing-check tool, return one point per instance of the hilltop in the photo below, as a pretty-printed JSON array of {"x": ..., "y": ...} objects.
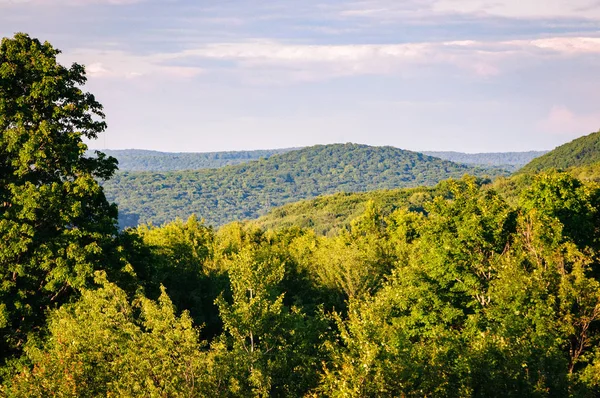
[
  {"x": 583, "y": 151},
  {"x": 249, "y": 190}
]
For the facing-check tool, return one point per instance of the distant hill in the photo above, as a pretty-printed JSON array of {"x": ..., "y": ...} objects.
[
  {"x": 143, "y": 160},
  {"x": 249, "y": 190},
  {"x": 507, "y": 160},
  {"x": 582, "y": 151}
]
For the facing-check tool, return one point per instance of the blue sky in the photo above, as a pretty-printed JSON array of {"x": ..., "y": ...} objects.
[{"x": 464, "y": 75}]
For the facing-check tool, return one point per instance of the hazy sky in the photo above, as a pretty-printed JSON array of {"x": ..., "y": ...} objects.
[{"x": 464, "y": 75}]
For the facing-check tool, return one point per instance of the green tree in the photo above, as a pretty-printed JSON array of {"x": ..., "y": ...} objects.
[
  {"x": 267, "y": 349},
  {"x": 54, "y": 217},
  {"x": 109, "y": 345}
]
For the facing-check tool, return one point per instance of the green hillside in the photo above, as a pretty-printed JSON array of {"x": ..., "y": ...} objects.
[
  {"x": 579, "y": 152},
  {"x": 143, "y": 160},
  {"x": 328, "y": 214},
  {"x": 249, "y": 190}
]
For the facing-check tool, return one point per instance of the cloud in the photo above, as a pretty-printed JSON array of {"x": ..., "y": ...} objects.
[
  {"x": 522, "y": 9},
  {"x": 120, "y": 64},
  {"x": 266, "y": 60},
  {"x": 585, "y": 9},
  {"x": 569, "y": 45},
  {"x": 563, "y": 121},
  {"x": 478, "y": 57}
]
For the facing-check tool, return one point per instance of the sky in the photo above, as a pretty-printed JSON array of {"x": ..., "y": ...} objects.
[{"x": 204, "y": 75}]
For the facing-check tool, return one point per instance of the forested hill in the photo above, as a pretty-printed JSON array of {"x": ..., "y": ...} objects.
[
  {"x": 249, "y": 190},
  {"x": 583, "y": 151},
  {"x": 143, "y": 160},
  {"x": 506, "y": 160}
]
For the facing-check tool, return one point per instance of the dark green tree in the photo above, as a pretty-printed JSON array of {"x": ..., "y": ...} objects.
[{"x": 55, "y": 221}]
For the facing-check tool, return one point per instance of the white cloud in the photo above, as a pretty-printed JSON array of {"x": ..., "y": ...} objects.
[
  {"x": 323, "y": 61},
  {"x": 520, "y": 9},
  {"x": 266, "y": 60},
  {"x": 120, "y": 64},
  {"x": 589, "y": 9}
]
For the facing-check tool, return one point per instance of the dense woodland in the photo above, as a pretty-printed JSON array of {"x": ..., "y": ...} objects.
[
  {"x": 144, "y": 160},
  {"x": 248, "y": 190},
  {"x": 471, "y": 288}
]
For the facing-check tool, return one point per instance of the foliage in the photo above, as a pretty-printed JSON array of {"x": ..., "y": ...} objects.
[
  {"x": 328, "y": 215},
  {"x": 490, "y": 302},
  {"x": 468, "y": 295},
  {"x": 582, "y": 151},
  {"x": 55, "y": 221},
  {"x": 248, "y": 190},
  {"x": 106, "y": 345},
  {"x": 142, "y": 160}
]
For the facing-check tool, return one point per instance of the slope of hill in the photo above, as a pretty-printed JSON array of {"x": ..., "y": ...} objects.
[
  {"x": 328, "y": 214},
  {"x": 143, "y": 160},
  {"x": 582, "y": 151},
  {"x": 249, "y": 190},
  {"x": 507, "y": 160}
]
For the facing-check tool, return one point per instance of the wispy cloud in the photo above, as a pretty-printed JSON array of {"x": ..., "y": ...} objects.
[
  {"x": 523, "y": 9},
  {"x": 299, "y": 62},
  {"x": 586, "y": 9},
  {"x": 123, "y": 65}
]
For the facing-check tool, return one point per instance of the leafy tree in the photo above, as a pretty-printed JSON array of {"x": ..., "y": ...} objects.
[
  {"x": 54, "y": 217},
  {"x": 108, "y": 345},
  {"x": 179, "y": 256},
  {"x": 268, "y": 349}
]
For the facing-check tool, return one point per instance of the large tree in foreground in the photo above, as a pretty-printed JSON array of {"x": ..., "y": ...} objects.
[{"x": 54, "y": 217}]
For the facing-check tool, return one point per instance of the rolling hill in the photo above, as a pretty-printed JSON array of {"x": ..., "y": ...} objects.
[
  {"x": 583, "y": 151},
  {"x": 144, "y": 160},
  {"x": 249, "y": 190},
  {"x": 507, "y": 160}
]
